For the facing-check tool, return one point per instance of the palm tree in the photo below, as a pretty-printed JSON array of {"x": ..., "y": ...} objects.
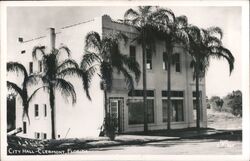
[
  {"x": 53, "y": 77},
  {"x": 172, "y": 30},
  {"x": 206, "y": 44},
  {"x": 104, "y": 53},
  {"x": 143, "y": 20},
  {"x": 28, "y": 80}
]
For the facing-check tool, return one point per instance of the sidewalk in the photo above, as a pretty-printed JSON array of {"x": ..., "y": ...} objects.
[{"x": 68, "y": 145}]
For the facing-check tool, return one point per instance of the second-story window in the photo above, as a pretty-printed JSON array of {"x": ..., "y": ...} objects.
[
  {"x": 36, "y": 110},
  {"x": 132, "y": 52},
  {"x": 177, "y": 62},
  {"x": 164, "y": 63},
  {"x": 149, "y": 59},
  {"x": 31, "y": 67},
  {"x": 45, "y": 110},
  {"x": 40, "y": 66}
]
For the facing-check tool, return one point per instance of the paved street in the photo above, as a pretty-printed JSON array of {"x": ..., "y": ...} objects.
[{"x": 176, "y": 147}]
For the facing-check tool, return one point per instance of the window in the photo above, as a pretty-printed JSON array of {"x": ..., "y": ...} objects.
[
  {"x": 36, "y": 110},
  {"x": 40, "y": 66},
  {"x": 132, "y": 52},
  {"x": 139, "y": 93},
  {"x": 176, "y": 112},
  {"x": 136, "y": 111},
  {"x": 177, "y": 62},
  {"x": 23, "y": 52},
  {"x": 31, "y": 67},
  {"x": 37, "y": 135},
  {"x": 164, "y": 63},
  {"x": 43, "y": 135},
  {"x": 149, "y": 59},
  {"x": 45, "y": 110},
  {"x": 24, "y": 127}
]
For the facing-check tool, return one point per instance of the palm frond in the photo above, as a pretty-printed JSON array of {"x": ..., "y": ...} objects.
[
  {"x": 66, "y": 88},
  {"x": 106, "y": 71},
  {"x": 133, "y": 66},
  {"x": 34, "y": 93},
  {"x": 35, "y": 51},
  {"x": 15, "y": 87},
  {"x": 17, "y": 67},
  {"x": 93, "y": 40},
  {"x": 66, "y": 64},
  {"x": 63, "y": 49},
  {"x": 32, "y": 79},
  {"x": 69, "y": 72},
  {"x": 88, "y": 59},
  {"x": 128, "y": 78}
]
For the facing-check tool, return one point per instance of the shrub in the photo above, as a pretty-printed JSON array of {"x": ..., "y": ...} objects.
[
  {"x": 216, "y": 103},
  {"x": 233, "y": 103},
  {"x": 110, "y": 126}
]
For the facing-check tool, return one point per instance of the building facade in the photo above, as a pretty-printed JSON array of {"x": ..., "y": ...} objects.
[{"x": 86, "y": 117}]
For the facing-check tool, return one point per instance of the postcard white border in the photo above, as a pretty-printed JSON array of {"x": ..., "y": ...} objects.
[{"x": 245, "y": 81}]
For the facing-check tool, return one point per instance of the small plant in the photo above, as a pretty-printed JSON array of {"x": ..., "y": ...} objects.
[{"x": 110, "y": 126}]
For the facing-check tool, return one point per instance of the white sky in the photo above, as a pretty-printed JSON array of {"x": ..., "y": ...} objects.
[{"x": 30, "y": 22}]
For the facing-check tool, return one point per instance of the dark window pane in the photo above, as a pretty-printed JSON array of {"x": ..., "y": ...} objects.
[
  {"x": 24, "y": 127},
  {"x": 177, "y": 62},
  {"x": 139, "y": 93},
  {"x": 31, "y": 67},
  {"x": 132, "y": 52},
  {"x": 172, "y": 93},
  {"x": 164, "y": 63},
  {"x": 36, "y": 110},
  {"x": 136, "y": 111},
  {"x": 45, "y": 110},
  {"x": 176, "y": 111},
  {"x": 149, "y": 59},
  {"x": 40, "y": 66}
]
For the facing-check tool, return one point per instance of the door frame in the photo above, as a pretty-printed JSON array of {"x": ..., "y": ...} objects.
[{"x": 120, "y": 107}]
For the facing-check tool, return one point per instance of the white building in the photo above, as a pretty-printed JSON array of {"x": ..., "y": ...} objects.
[{"x": 85, "y": 117}]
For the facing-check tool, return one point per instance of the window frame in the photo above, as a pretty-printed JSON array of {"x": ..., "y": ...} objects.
[
  {"x": 141, "y": 99},
  {"x": 147, "y": 59},
  {"x": 177, "y": 56},
  {"x": 36, "y": 110}
]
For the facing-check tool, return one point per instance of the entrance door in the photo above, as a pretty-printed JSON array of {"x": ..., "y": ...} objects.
[{"x": 116, "y": 105}]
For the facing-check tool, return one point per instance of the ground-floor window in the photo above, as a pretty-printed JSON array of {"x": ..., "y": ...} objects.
[
  {"x": 37, "y": 135},
  {"x": 136, "y": 111},
  {"x": 176, "y": 111}
]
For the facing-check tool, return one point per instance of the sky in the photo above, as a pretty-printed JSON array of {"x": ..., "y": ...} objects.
[{"x": 30, "y": 22}]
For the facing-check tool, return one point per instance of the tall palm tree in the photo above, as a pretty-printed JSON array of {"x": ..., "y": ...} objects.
[
  {"x": 206, "y": 44},
  {"x": 172, "y": 30},
  {"x": 104, "y": 54},
  {"x": 53, "y": 77},
  {"x": 22, "y": 91},
  {"x": 143, "y": 20}
]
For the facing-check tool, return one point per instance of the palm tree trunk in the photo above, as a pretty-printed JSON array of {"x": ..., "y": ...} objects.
[
  {"x": 105, "y": 104},
  {"x": 52, "y": 106},
  {"x": 144, "y": 77},
  {"x": 197, "y": 97},
  {"x": 168, "y": 85}
]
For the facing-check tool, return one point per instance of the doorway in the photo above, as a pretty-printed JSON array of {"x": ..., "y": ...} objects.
[{"x": 116, "y": 108}]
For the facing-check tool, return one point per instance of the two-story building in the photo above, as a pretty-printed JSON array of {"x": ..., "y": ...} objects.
[{"x": 86, "y": 117}]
